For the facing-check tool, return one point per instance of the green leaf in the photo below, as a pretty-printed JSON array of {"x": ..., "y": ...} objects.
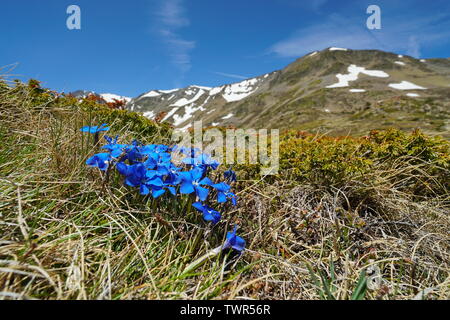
[{"x": 361, "y": 287}]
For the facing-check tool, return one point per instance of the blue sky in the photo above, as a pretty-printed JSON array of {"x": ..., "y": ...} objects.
[{"x": 130, "y": 47}]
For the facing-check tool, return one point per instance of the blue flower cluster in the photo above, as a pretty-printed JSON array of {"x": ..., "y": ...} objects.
[{"x": 151, "y": 169}]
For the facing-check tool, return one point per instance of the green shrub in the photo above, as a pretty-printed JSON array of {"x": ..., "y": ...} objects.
[{"x": 412, "y": 162}]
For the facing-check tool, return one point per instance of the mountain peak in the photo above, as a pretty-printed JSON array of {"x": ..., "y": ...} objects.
[{"x": 318, "y": 90}]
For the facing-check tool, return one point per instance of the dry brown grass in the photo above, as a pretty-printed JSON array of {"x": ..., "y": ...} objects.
[{"x": 407, "y": 250}]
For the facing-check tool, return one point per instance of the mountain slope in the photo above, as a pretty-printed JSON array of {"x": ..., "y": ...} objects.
[
  {"x": 336, "y": 90},
  {"x": 182, "y": 106}
]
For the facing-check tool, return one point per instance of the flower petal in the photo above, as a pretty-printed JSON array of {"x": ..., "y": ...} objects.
[
  {"x": 158, "y": 193},
  {"x": 144, "y": 189},
  {"x": 199, "y": 206},
  {"x": 186, "y": 187},
  {"x": 221, "y": 197},
  {"x": 202, "y": 193}
]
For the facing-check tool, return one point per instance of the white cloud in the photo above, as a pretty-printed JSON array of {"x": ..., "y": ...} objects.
[
  {"x": 170, "y": 18},
  {"x": 230, "y": 75},
  {"x": 172, "y": 14},
  {"x": 338, "y": 31}
]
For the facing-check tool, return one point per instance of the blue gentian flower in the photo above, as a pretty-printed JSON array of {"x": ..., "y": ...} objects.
[
  {"x": 164, "y": 164},
  {"x": 224, "y": 193},
  {"x": 160, "y": 161},
  {"x": 156, "y": 193},
  {"x": 135, "y": 174},
  {"x": 111, "y": 140},
  {"x": 173, "y": 175},
  {"x": 113, "y": 147},
  {"x": 202, "y": 161},
  {"x": 133, "y": 154},
  {"x": 192, "y": 181},
  {"x": 230, "y": 175},
  {"x": 162, "y": 148},
  {"x": 153, "y": 186},
  {"x": 183, "y": 150},
  {"x": 234, "y": 241},
  {"x": 100, "y": 160},
  {"x": 157, "y": 188},
  {"x": 209, "y": 214},
  {"x": 116, "y": 150},
  {"x": 171, "y": 189},
  {"x": 95, "y": 129}
]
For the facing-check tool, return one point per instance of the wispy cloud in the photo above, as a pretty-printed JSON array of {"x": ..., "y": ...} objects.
[
  {"x": 171, "y": 17},
  {"x": 336, "y": 30},
  {"x": 230, "y": 75}
]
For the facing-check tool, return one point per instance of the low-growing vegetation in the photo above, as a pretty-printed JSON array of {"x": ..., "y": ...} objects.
[{"x": 345, "y": 217}]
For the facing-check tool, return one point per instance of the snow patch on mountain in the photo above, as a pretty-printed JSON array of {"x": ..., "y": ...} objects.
[
  {"x": 157, "y": 93},
  {"x": 189, "y": 111},
  {"x": 149, "y": 114},
  {"x": 400, "y": 63},
  {"x": 168, "y": 91},
  {"x": 202, "y": 87},
  {"x": 109, "y": 97},
  {"x": 337, "y": 49},
  {"x": 240, "y": 90},
  {"x": 183, "y": 101},
  {"x": 405, "y": 85},
  {"x": 228, "y": 116},
  {"x": 151, "y": 94},
  {"x": 171, "y": 113},
  {"x": 215, "y": 91},
  {"x": 353, "y": 73},
  {"x": 357, "y": 90},
  {"x": 189, "y": 92},
  {"x": 413, "y": 95}
]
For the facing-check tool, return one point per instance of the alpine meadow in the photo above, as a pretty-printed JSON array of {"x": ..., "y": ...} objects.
[{"x": 315, "y": 174}]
